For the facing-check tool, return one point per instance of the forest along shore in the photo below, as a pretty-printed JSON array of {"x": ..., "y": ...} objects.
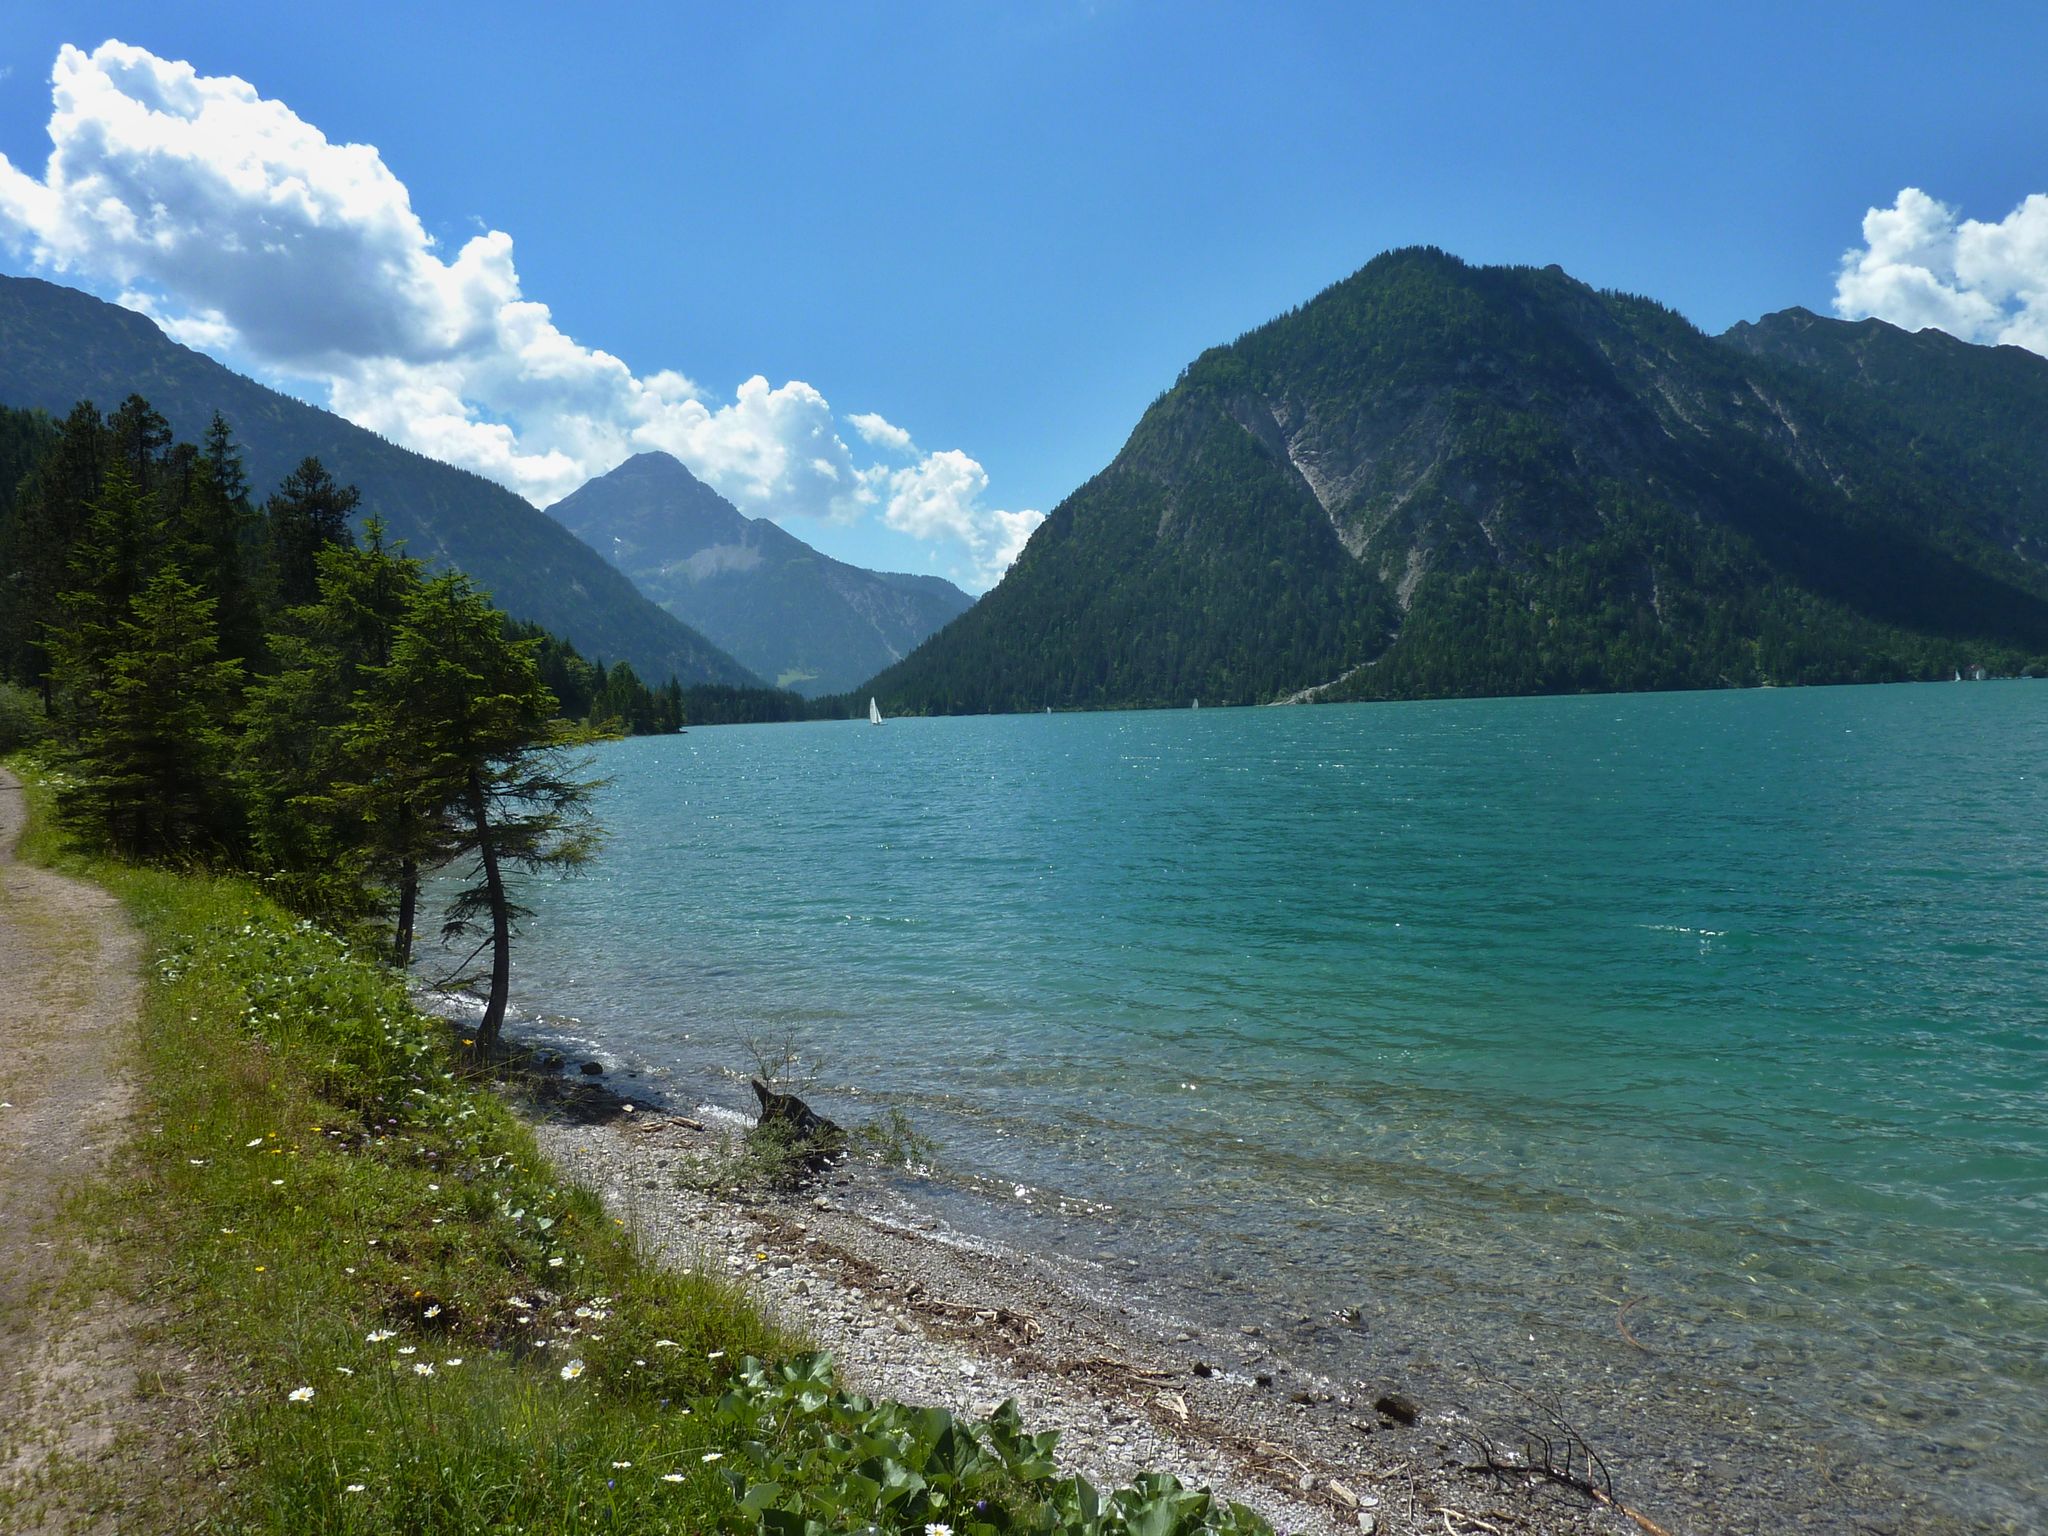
[{"x": 913, "y": 1316}]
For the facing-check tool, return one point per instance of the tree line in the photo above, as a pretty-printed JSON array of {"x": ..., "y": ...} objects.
[{"x": 252, "y": 686}]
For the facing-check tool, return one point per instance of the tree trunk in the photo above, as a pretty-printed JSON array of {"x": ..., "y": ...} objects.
[
  {"x": 408, "y": 905},
  {"x": 501, "y": 920}
]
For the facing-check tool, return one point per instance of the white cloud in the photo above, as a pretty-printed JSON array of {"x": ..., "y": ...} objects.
[
  {"x": 240, "y": 228},
  {"x": 940, "y": 497},
  {"x": 1920, "y": 265},
  {"x": 880, "y": 432}
]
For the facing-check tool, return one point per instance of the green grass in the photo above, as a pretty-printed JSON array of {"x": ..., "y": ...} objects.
[
  {"x": 319, "y": 1170},
  {"x": 408, "y": 1323}
]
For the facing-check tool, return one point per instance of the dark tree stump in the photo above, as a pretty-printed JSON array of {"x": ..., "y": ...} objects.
[{"x": 817, "y": 1141}]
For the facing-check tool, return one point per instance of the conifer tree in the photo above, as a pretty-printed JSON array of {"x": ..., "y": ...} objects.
[
  {"x": 141, "y": 439},
  {"x": 50, "y": 513},
  {"x": 461, "y": 722},
  {"x": 148, "y": 766},
  {"x": 213, "y": 527},
  {"x": 110, "y": 561},
  {"x": 318, "y": 812},
  {"x": 309, "y": 512}
]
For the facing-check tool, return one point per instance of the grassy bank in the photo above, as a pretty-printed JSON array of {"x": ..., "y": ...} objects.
[{"x": 412, "y": 1325}]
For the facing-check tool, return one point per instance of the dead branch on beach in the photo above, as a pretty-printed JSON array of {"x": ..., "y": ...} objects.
[
  {"x": 1557, "y": 1456},
  {"x": 1621, "y": 1322}
]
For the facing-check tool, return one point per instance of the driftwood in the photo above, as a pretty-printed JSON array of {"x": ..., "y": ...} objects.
[{"x": 1559, "y": 1457}]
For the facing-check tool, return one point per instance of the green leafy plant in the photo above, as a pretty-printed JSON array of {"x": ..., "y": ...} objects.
[
  {"x": 805, "y": 1459},
  {"x": 894, "y": 1141}
]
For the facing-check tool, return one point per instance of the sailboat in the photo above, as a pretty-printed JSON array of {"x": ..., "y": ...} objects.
[{"x": 874, "y": 713}]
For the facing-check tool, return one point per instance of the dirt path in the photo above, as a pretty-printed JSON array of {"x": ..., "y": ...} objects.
[{"x": 70, "y": 1353}]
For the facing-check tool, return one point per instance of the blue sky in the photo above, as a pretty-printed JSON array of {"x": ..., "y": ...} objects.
[{"x": 1003, "y": 229}]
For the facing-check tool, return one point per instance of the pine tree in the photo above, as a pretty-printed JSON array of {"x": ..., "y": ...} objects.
[
  {"x": 309, "y": 512},
  {"x": 141, "y": 439}
]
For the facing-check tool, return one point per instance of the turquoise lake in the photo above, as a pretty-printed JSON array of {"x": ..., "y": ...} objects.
[{"x": 1683, "y": 1056}]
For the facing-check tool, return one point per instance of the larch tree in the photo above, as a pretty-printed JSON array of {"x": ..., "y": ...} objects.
[{"x": 460, "y": 722}]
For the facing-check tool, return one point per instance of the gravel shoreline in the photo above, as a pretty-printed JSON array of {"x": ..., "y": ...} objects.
[{"x": 914, "y": 1312}]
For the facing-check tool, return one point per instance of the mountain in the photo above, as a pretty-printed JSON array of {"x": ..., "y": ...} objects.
[
  {"x": 1975, "y": 416},
  {"x": 1439, "y": 479},
  {"x": 59, "y": 346},
  {"x": 801, "y": 619}
]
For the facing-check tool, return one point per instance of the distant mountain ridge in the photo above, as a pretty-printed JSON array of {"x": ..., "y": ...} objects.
[
  {"x": 1438, "y": 479},
  {"x": 798, "y": 617},
  {"x": 59, "y": 346}
]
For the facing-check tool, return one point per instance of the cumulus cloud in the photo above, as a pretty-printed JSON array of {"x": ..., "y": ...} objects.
[
  {"x": 1922, "y": 265},
  {"x": 939, "y": 497},
  {"x": 880, "y": 432},
  {"x": 242, "y": 229}
]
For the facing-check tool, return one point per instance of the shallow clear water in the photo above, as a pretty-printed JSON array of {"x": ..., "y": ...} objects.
[{"x": 1484, "y": 1017}]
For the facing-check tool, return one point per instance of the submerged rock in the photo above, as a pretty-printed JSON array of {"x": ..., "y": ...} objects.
[{"x": 1400, "y": 1409}]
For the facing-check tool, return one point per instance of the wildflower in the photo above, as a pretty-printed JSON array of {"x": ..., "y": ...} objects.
[
  {"x": 353, "y": 1488},
  {"x": 671, "y": 1477},
  {"x": 408, "y": 1349},
  {"x": 621, "y": 1465},
  {"x": 379, "y": 1335},
  {"x": 583, "y": 1311},
  {"x": 277, "y": 1181},
  {"x": 301, "y": 1394},
  {"x": 716, "y": 1354},
  {"x": 666, "y": 1344},
  {"x": 454, "y": 1360},
  {"x": 256, "y": 1143},
  {"x": 518, "y": 1301},
  {"x": 423, "y": 1368},
  {"x": 197, "y": 1162},
  {"x": 345, "y": 1370},
  {"x": 572, "y": 1370},
  {"x": 556, "y": 1262},
  {"x": 937, "y": 1528},
  {"x": 714, "y": 1455},
  {"x": 434, "y": 1310}
]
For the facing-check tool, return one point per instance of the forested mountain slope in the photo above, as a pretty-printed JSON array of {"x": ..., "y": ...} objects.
[
  {"x": 1439, "y": 479},
  {"x": 59, "y": 346},
  {"x": 799, "y": 618}
]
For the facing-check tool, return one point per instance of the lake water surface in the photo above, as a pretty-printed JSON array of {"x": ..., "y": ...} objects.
[{"x": 1490, "y": 1019}]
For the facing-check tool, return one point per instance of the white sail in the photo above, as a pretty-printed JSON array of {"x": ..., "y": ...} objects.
[{"x": 874, "y": 713}]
